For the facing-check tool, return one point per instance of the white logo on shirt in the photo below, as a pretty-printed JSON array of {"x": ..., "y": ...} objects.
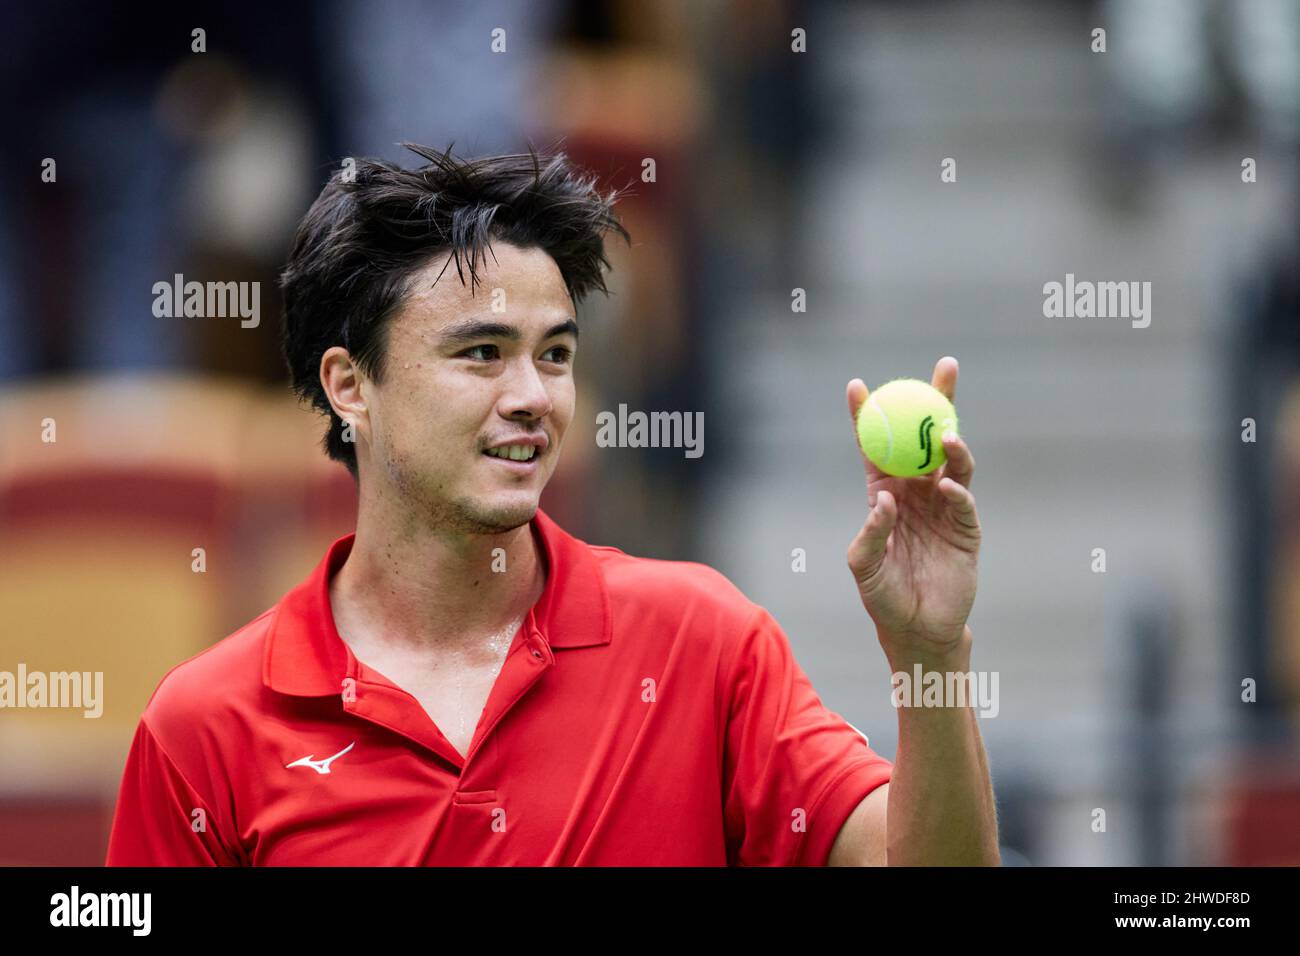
[{"x": 320, "y": 766}]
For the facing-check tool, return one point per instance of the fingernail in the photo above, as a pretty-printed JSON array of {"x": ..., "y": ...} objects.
[{"x": 949, "y": 436}]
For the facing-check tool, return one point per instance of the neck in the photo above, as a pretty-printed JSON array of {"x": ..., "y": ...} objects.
[{"x": 427, "y": 588}]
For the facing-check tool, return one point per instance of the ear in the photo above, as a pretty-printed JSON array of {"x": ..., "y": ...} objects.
[{"x": 343, "y": 383}]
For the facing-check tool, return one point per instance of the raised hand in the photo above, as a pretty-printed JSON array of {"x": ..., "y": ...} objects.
[{"x": 914, "y": 560}]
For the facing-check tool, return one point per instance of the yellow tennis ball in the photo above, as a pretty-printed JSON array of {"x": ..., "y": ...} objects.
[{"x": 901, "y": 427}]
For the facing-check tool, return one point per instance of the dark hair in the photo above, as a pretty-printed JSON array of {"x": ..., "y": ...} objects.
[{"x": 373, "y": 226}]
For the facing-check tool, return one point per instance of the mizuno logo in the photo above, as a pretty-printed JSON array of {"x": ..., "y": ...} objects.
[{"x": 320, "y": 766}]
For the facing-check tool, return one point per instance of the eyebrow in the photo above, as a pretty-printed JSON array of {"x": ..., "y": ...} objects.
[{"x": 475, "y": 329}]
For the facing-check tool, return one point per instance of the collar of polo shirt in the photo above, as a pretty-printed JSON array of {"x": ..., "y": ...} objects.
[{"x": 306, "y": 657}]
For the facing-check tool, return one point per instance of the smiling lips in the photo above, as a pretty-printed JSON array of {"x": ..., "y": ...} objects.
[
  {"x": 515, "y": 452},
  {"x": 523, "y": 451}
]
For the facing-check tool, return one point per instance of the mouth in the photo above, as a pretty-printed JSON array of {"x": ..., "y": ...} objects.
[{"x": 521, "y": 459}]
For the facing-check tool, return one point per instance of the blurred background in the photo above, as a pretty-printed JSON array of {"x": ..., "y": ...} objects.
[{"x": 1164, "y": 690}]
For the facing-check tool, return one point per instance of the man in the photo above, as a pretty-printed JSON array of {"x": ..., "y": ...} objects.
[{"x": 461, "y": 682}]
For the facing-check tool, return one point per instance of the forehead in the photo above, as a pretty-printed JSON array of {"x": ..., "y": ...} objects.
[{"x": 527, "y": 282}]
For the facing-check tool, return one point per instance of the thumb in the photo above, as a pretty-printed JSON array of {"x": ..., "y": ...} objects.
[{"x": 868, "y": 549}]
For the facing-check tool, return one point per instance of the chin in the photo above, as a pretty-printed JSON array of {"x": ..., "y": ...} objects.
[{"x": 505, "y": 513}]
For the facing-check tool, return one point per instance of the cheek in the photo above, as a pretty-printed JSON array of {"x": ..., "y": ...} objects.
[
  {"x": 565, "y": 399},
  {"x": 442, "y": 419},
  {"x": 411, "y": 414}
]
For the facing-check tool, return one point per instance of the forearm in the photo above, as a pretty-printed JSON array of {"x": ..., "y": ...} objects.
[{"x": 941, "y": 810}]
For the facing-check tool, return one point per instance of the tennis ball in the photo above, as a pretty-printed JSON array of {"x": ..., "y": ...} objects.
[{"x": 901, "y": 427}]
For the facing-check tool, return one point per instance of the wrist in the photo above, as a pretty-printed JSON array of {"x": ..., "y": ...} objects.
[{"x": 904, "y": 654}]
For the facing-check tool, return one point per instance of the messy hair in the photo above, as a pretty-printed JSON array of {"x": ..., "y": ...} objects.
[{"x": 374, "y": 225}]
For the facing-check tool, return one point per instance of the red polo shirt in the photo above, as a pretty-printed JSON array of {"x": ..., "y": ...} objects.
[{"x": 647, "y": 713}]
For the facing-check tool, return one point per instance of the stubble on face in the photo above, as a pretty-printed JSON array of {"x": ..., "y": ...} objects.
[{"x": 427, "y": 506}]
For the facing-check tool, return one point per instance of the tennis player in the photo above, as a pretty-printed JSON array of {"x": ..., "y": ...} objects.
[{"x": 460, "y": 681}]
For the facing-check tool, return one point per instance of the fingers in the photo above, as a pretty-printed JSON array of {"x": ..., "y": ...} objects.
[
  {"x": 945, "y": 377},
  {"x": 962, "y": 502},
  {"x": 868, "y": 548},
  {"x": 960, "y": 466},
  {"x": 857, "y": 394}
]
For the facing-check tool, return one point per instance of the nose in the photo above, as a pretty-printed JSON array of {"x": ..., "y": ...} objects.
[{"x": 524, "y": 394}]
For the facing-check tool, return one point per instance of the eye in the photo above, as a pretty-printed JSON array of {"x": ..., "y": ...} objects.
[
  {"x": 486, "y": 358},
  {"x": 562, "y": 353}
]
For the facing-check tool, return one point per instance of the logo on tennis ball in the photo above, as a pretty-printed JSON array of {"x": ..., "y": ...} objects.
[
  {"x": 927, "y": 425},
  {"x": 896, "y": 426}
]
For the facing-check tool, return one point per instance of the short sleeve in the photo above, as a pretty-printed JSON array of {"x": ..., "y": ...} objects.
[
  {"x": 793, "y": 770},
  {"x": 160, "y": 820}
]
